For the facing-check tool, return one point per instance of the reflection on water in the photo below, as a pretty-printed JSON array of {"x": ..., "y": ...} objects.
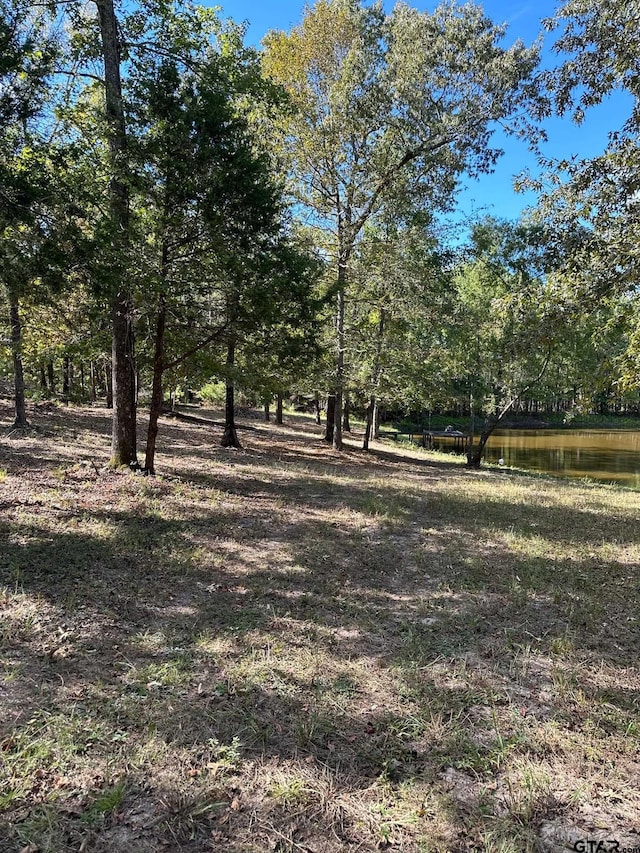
[{"x": 612, "y": 455}]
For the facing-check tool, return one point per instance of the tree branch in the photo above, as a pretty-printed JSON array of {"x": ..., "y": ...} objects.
[
  {"x": 209, "y": 339},
  {"x": 409, "y": 155},
  {"x": 528, "y": 387}
]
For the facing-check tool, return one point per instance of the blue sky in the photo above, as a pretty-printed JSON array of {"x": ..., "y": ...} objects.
[{"x": 493, "y": 193}]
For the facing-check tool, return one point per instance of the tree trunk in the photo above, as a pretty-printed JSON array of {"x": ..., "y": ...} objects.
[
  {"x": 43, "y": 380},
  {"x": 16, "y": 351},
  {"x": 230, "y": 436},
  {"x": 316, "y": 403},
  {"x": 66, "y": 361},
  {"x": 108, "y": 382},
  {"x": 51, "y": 378},
  {"x": 372, "y": 408},
  {"x": 82, "y": 389},
  {"x": 331, "y": 412},
  {"x": 340, "y": 340},
  {"x": 376, "y": 420},
  {"x": 346, "y": 426},
  {"x": 369, "y": 425},
  {"x": 157, "y": 396},
  {"x": 92, "y": 379},
  {"x": 267, "y": 412},
  {"x": 123, "y": 435},
  {"x": 476, "y": 451},
  {"x": 472, "y": 429},
  {"x": 279, "y": 408}
]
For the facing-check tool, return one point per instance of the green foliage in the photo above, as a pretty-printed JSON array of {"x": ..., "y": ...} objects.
[
  {"x": 401, "y": 278},
  {"x": 591, "y": 211},
  {"x": 376, "y": 117},
  {"x": 507, "y": 317},
  {"x": 212, "y": 392},
  {"x": 210, "y": 210},
  {"x": 388, "y": 110},
  {"x": 599, "y": 57}
]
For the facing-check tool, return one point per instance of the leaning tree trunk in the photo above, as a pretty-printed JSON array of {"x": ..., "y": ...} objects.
[
  {"x": 16, "y": 351},
  {"x": 230, "y": 436},
  {"x": 475, "y": 451},
  {"x": 157, "y": 396},
  {"x": 123, "y": 436}
]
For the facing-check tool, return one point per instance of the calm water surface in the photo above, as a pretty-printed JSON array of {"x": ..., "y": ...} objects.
[{"x": 611, "y": 455}]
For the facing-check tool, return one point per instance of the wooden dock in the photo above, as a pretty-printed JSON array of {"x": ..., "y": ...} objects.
[{"x": 450, "y": 438}]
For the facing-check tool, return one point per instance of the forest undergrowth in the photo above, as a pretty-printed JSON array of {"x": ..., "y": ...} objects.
[{"x": 285, "y": 648}]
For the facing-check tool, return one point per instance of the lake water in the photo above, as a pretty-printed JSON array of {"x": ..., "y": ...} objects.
[{"x": 610, "y": 455}]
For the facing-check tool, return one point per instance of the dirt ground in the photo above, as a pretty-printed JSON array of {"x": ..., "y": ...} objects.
[{"x": 284, "y": 648}]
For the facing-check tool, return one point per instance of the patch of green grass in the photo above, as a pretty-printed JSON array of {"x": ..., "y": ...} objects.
[
  {"x": 165, "y": 674},
  {"x": 105, "y": 804},
  {"x": 43, "y": 830},
  {"x": 289, "y": 792}
]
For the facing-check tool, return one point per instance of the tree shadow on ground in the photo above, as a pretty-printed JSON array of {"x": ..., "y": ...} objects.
[{"x": 359, "y": 640}]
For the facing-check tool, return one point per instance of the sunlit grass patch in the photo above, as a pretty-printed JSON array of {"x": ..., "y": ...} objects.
[
  {"x": 161, "y": 674},
  {"x": 214, "y": 645},
  {"x": 289, "y": 791}
]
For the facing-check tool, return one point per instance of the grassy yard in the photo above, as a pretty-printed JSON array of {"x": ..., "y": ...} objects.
[{"x": 287, "y": 649}]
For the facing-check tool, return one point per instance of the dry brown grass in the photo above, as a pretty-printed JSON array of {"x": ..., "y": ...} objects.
[{"x": 289, "y": 649}]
